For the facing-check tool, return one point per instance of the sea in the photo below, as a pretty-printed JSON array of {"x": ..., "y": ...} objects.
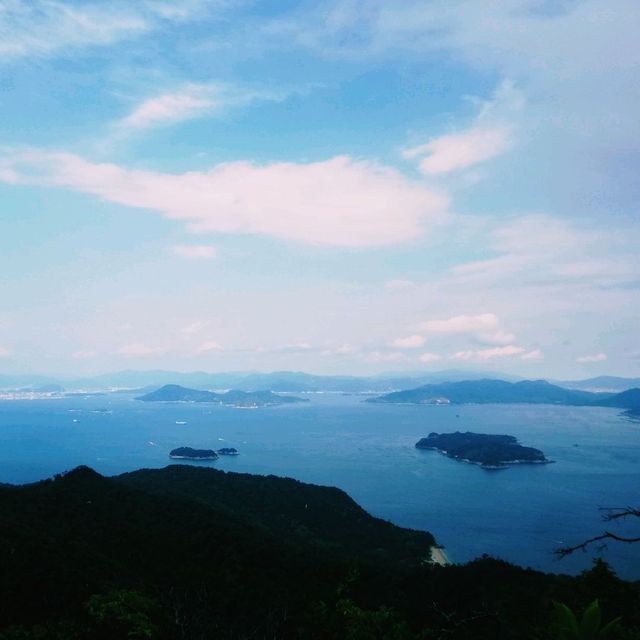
[{"x": 520, "y": 514}]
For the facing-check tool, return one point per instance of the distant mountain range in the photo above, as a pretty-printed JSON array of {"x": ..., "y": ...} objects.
[
  {"x": 293, "y": 381},
  {"x": 600, "y": 383},
  {"x": 234, "y": 398},
  {"x": 501, "y": 392},
  {"x": 287, "y": 381}
]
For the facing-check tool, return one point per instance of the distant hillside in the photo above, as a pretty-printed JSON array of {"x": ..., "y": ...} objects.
[
  {"x": 629, "y": 399},
  {"x": 600, "y": 383},
  {"x": 491, "y": 391},
  {"x": 291, "y": 381},
  {"x": 176, "y": 393}
]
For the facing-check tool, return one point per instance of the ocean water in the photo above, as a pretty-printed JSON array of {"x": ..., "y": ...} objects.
[{"x": 520, "y": 514}]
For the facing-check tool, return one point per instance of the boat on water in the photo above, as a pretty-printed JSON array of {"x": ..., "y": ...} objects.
[{"x": 181, "y": 422}]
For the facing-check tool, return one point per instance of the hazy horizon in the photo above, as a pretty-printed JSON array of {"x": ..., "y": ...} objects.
[{"x": 458, "y": 374}]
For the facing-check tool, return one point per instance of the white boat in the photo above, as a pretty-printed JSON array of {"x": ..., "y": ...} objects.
[{"x": 181, "y": 422}]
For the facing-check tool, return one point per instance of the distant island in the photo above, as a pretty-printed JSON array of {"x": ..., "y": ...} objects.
[
  {"x": 501, "y": 392},
  {"x": 234, "y": 398},
  {"x": 227, "y": 451},
  {"x": 187, "y": 453},
  {"x": 489, "y": 451}
]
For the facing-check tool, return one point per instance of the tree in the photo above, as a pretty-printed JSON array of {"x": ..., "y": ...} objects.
[{"x": 609, "y": 515}]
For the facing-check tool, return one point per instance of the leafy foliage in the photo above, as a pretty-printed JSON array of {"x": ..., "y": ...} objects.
[
  {"x": 589, "y": 627},
  {"x": 188, "y": 553}
]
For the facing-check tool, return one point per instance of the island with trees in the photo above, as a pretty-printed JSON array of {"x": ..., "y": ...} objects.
[
  {"x": 233, "y": 398},
  {"x": 188, "y": 453},
  {"x": 487, "y": 450}
]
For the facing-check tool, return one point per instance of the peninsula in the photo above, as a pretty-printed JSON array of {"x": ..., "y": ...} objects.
[
  {"x": 233, "y": 398},
  {"x": 489, "y": 451}
]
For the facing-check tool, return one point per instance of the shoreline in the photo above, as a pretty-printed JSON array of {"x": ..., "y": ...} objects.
[{"x": 505, "y": 464}]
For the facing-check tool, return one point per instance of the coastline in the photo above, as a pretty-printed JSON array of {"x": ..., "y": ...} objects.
[{"x": 504, "y": 464}]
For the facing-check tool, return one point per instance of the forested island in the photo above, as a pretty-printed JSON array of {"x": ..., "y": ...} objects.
[
  {"x": 487, "y": 450},
  {"x": 187, "y": 453},
  {"x": 227, "y": 451},
  {"x": 189, "y": 552},
  {"x": 502, "y": 392},
  {"x": 233, "y": 398}
]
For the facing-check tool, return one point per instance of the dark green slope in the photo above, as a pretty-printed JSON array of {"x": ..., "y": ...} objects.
[
  {"x": 269, "y": 543},
  {"x": 289, "y": 509},
  {"x": 187, "y": 553},
  {"x": 629, "y": 399},
  {"x": 62, "y": 541}
]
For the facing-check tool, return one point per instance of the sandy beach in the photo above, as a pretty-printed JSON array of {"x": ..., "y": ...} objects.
[{"x": 438, "y": 556}]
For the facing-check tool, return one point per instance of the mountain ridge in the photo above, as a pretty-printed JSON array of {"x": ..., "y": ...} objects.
[{"x": 501, "y": 392}]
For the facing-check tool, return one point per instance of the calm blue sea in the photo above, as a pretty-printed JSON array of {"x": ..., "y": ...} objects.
[{"x": 520, "y": 514}]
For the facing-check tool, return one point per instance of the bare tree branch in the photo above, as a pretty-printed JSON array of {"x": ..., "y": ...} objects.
[
  {"x": 565, "y": 551},
  {"x": 613, "y": 513},
  {"x": 610, "y": 513}
]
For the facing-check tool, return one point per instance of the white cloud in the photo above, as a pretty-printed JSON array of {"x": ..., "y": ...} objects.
[
  {"x": 579, "y": 129},
  {"x": 194, "y": 251},
  {"x": 193, "y": 327},
  {"x": 462, "y": 324},
  {"x": 340, "y": 202},
  {"x": 597, "y": 357},
  {"x": 345, "y": 349},
  {"x": 191, "y": 101},
  {"x": 44, "y": 27},
  {"x": 410, "y": 342},
  {"x": 429, "y": 357},
  {"x": 534, "y": 355},
  {"x": 498, "y": 337},
  {"x": 482, "y": 355},
  {"x": 384, "y": 356},
  {"x": 166, "y": 109},
  {"x": 399, "y": 285},
  {"x": 4, "y": 353},
  {"x": 209, "y": 345},
  {"x": 461, "y": 150},
  {"x": 294, "y": 347},
  {"x": 139, "y": 349},
  {"x": 542, "y": 249}
]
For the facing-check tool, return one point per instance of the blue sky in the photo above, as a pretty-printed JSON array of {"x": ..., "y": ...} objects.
[{"x": 335, "y": 186}]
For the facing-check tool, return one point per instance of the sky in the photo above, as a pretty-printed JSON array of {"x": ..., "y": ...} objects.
[{"x": 336, "y": 186}]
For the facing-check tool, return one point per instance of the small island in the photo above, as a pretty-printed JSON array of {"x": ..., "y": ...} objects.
[
  {"x": 488, "y": 451},
  {"x": 228, "y": 451},
  {"x": 187, "y": 453}
]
